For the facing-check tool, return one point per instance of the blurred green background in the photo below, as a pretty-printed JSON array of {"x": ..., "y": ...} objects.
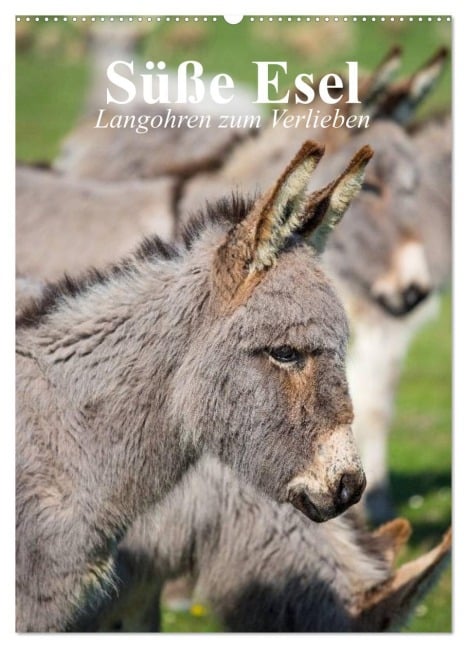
[{"x": 53, "y": 72}]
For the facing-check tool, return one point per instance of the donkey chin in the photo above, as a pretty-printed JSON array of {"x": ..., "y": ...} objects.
[{"x": 333, "y": 482}]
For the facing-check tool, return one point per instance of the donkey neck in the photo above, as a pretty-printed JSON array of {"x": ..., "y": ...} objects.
[{"x": 109, "y": 354}]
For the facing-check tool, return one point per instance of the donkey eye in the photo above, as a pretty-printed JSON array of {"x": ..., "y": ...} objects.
[
  {"x": 285, "y": 355},
  {"x": 372, "y": 187}
]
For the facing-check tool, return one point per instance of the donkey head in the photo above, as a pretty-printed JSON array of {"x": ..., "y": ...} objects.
[
  {"x": 382, "y": 248},
  {"x": 399, "y": 101},
  {"x": 379, "y": 250},
  {"x": 267, "y": 386}
]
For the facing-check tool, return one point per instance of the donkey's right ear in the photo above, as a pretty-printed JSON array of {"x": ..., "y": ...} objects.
[{"x": 253, "y": 245}]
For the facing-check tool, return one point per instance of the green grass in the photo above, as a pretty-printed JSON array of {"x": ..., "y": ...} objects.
[
  {"x": 48, "y": 102},
  {"x": 52, "y": 72},
  {"x": 189, "y": 621},
  {"x": 420, "y": 455}
]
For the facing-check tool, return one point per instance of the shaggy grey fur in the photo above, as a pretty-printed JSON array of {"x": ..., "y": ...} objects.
[{"x": 261, "y": 566}]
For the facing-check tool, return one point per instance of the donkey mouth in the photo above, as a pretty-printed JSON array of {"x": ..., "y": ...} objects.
[{"x": 301, "y": 501}]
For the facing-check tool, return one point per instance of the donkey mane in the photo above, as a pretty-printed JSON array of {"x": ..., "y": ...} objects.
[
  {"x": 227, "y": 211},
  {"x": 53, "y": 293}
]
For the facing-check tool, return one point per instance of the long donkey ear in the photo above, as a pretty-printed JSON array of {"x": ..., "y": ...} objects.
[
  {"x": 403, "y": 99},
  {"x": 393, "y": 537},
  {"x": 255, "y": 243},
  {"x": 377, "y": 83},
  {"x": 390, "y": 606},
  {"x": 326, "y": 207}
]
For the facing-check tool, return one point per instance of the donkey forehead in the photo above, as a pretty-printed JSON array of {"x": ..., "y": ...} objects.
[
  {"x": 395, "y": 173},
  {"x": 390, "y": 217},
  {"x": 395, "y": 160},
  {"x": 295, "y": 303}
]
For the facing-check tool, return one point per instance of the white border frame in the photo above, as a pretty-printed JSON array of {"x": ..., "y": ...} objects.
[{"x": 7, "y": 138}]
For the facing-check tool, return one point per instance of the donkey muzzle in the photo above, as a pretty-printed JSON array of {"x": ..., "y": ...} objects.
[
  {"x": 407, "y": 283},
  {"x": 333, "y": 481},
  {"x": 320, "y": 507},
  {"x": 399, "y": 304}
]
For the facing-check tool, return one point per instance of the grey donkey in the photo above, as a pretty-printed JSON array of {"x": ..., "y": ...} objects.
[
  {"x": 232, "y": 345},
  {"x": 262, "y": 566},
  {"x": 383, "y": 259},
  {"x": 381, "y": 342}
]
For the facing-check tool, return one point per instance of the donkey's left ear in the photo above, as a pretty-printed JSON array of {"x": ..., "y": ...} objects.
[
  {"x": 373, "y": 88},
  {"x": 325, "y": 208}
]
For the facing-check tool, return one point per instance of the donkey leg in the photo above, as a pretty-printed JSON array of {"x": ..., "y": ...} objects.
[{"x": 374, "y": 367}]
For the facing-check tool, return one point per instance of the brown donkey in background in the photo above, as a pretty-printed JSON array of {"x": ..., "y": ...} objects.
[{"x": 233, "y": 345}]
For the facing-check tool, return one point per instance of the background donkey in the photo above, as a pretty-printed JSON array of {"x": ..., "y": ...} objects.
[
  {"x": 262, "y": 566},
  {"x": 381, "y": 343},
  {"x": 433, "y": 139},
  {"x": 69, "y": 225},
  {"x": 125, "y": 379},
  {"x": 121, "y": 154}
]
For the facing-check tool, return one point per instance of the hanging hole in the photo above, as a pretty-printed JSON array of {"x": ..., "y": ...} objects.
[{"x": 233, "y": 19}]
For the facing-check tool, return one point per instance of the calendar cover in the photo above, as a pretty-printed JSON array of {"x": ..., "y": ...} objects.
[{"x": 233, "y": 300}]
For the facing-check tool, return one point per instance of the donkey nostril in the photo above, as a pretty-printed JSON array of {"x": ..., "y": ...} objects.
[
  {"x": 413, "y": 295},
  {"x": 344, "y": 493},
  {"x": 351, "y": 487}
]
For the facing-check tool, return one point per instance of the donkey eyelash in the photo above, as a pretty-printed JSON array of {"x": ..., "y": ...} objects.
[
  {"x": 289, "y": 357},
  {"x": 286, "y": 355}
]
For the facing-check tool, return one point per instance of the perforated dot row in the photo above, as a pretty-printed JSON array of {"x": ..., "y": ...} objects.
[{"x": 74, "y": 19}]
